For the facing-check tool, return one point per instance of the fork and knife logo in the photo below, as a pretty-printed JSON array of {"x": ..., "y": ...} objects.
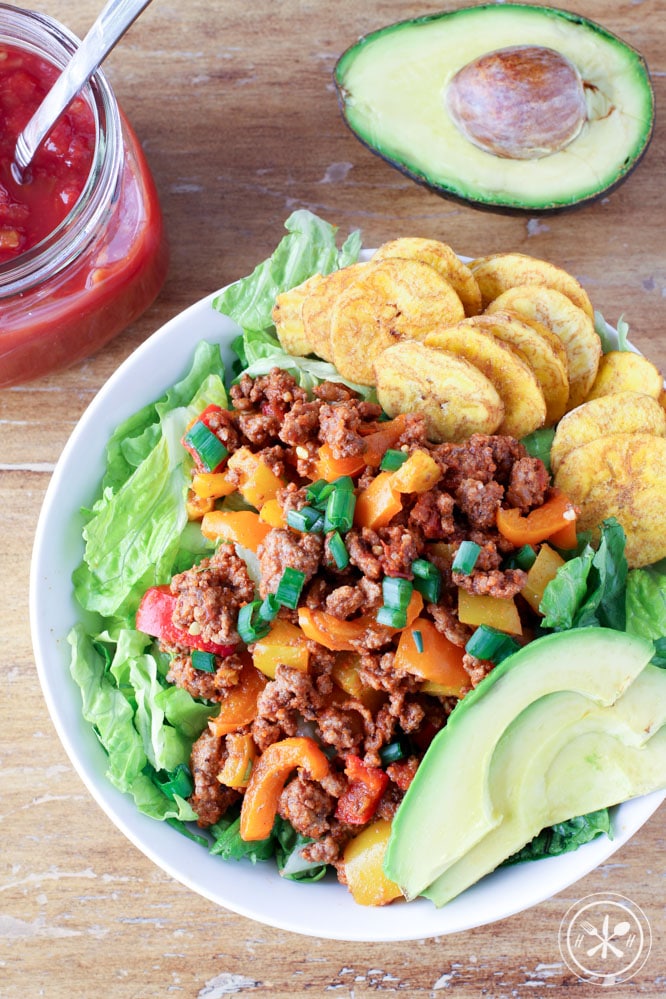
[{"x": 605, "y": 938}]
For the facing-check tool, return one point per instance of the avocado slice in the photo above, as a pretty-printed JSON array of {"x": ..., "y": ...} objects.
[
  {"x": 453, "y": 779},
  {"x": 505, "y": 106},
  {"x": 526, "y": 779}
]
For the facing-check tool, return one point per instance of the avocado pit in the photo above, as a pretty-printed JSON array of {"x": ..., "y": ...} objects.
[{"x": 522, "y": 102}]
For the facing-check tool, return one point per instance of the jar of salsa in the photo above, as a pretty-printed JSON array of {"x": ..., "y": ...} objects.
[{"x": 82, "y": 245}]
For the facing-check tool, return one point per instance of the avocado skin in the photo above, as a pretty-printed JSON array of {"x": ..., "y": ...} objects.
[{"x": 471, "y": 198}]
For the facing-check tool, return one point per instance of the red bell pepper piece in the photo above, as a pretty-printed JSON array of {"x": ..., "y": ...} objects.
[
  {"x": 205, "y": 418},
  {"x": 155, "y": 617},
  {"x": 358, "y": 803}
]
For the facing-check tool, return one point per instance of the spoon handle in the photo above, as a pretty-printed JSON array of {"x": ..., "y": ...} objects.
[{"x": 111, "y": 24}]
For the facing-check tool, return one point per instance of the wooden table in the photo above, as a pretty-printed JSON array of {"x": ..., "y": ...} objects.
[{"x": 236, "y": 110}]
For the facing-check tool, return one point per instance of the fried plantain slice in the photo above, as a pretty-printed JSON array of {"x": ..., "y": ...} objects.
[
  {"x": 445, "y": 260},
  {"x": 455, "y": 398},
  {"x": 500, "y": 271},
  {"x": 288, "y": 318},
  {"x": 619, "y": 413},
  {"x": 622, "y": 476},
  {"x": 540, "y": 349},
  {"x": 318, "y": 305},
  {"x": 516, "y": 383},
  {"x": 625, "y": 371},
  {"x": 392, "y": 300},
  {"x": 568, "y": 322}
]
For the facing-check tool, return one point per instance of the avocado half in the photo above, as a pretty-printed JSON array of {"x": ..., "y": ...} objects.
[{"x": 503, "y": 106}]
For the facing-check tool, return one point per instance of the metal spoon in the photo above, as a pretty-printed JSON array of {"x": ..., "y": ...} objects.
[{"x": 111, "y": 24}]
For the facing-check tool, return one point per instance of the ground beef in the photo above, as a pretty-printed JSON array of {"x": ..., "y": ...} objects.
[
  {"x": 281, "y": 548},
  {"x": 339, "y": 428},
  {"x": 476, "y": 668},
  {"x": 199, "y": 683},
  {"x": 328, "y": 849},
  {"x": 306, "y": 806},
  {"x": 479, "y": 501},
  {"x": 414, "y": 437},
  {"x": 400, "y": 547},
  {"x": 258, "y": 428},
  {"x": 446, "y": 621},
  {"x": 365, "y": 551},
  {"x": 210, "y": 799},
  {"x": 272, "y": 394},
  {"x": 402, "y": 772},
  {"x": 389, "y": 803},
  {"x": 301, "y": 423},
  {"x": 432, "y": 515},
  {"x": 506, "y": 451},
  {"x": 492, "y": 584},
  {"x": 291, "y": 498},
  {"x": 223, "y": 425},
  {"x": 208, "y": 596},
  {"x": 344, "y": 601},
  {"x": 334, "y": 392},
  {"x": 528, "y": 483}
]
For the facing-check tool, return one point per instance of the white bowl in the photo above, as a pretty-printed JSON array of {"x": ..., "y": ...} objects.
[{"x": 325, "y": 908}]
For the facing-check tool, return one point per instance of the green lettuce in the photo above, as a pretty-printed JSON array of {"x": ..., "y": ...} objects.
[
  {"x": 564, "y": 837},
  {"x": 646, "y": 606}
]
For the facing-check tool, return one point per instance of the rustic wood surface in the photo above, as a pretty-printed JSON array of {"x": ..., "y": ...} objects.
[{"x": 235, "y": 107}]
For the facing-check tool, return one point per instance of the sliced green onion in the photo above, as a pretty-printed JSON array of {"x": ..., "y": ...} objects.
[
  {"x": 525, "y": 557},
  {"x": 317, "y": 494},
  {"x": 396, "y": 591},
  {"x": 270, "y": 606},
  {"x": 338, "y": 550},
  {"x": 340, "y": 508},
  {"x": 424, "y": 569},
  {"x": 466, "y": 557},
  {"x": 248, "y": 770},
  {"x": 307, "y": 519},
  {"x": 208, "y": 446},
  {"x": 491, "y": 645},
  {"x": 418, "y": 640},
  {"x": 289, "y": 587},
  {"x": 175, "y": 782},
  {"x": 204, "y": 661},
  {"x": 250, "y": 626},
  {"x": 392, "y": 616},
  {"x": 392, "y": 460},
  {"x": 392, "y": 753}
]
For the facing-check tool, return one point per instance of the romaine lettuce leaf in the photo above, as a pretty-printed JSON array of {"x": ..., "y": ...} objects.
[
  {"x": 564, "y": 837},
  {"x": 646, "y": 606},
  {"x": 309, "y": 248}
]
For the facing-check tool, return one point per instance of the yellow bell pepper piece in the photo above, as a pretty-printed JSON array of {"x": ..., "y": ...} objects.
[
  {"x": 363, "y": 860},
  {"x": 543, "y": 569},
  {"x": 241, "y": 754},
  {"x": 258, "y": 482},
  {"x": 496, "y": 612},
  {"x": 285, "y": 643},
  {"x": 417, "y": 475}
]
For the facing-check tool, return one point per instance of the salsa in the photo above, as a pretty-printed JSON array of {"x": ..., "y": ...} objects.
[{"x": 58, "y": 173}]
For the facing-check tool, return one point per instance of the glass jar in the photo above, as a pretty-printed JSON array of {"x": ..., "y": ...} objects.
[{"x": 104, "y": 264}]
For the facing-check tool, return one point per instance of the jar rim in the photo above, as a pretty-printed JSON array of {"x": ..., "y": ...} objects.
[{"x": 44, "y": 36}]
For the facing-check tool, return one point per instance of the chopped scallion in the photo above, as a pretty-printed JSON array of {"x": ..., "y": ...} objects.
[
  {"x": 317, "y": 494},
  {"x": 418, "y": 640},
  {"x": 175, "y": 782},
  {"x": 307, "y": 519},
  {"x": 203, "y": 660},
  {"x": 392, "y": 616},
  {"x": 338, "y": 550},
  {"x": 392, "y": 460},
  {"x": 396, "y": 592},
  {"x": 209, "y": 448},
  {"x": 525, "y": 557},
  {"x": 270, "y": 606},
  {"x": 289, "y": 588},
  {"x": 491, "y": 645},
  {"x": 392, "y": 753},
  {"x": 340, "y": 507},
  {"x": 427, "y": 579},
  {"x": 466, "y": 557},
  {"x": 250, "y": 626},
  {"x": 424, "y": 569}
]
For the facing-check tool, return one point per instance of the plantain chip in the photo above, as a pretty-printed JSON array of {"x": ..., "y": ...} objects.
[
  {"x": 391, "y": 300},
  {"x": 624, "y": 371},
  {"x": 540, "y": 349},
  {"x": 318, "y": 305},
  {"x": 516, "y": 383},
  {"x": 622, "y": 476},
  {"x": 620, "y": 413},
  {"x": 498, "y": 272},
  {"x": 445, "y": 261},
  {"x": 568, "y": 322},
  {"x": 455, "y": 398},
  {"x": 288, "y": 318}
]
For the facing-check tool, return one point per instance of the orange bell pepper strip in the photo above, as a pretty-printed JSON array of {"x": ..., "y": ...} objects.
[
  {"x": 241, "y": 754},
  {"x": 268, "y": 778},
  {"x": 556, "y": 514},
  {"x": 417, "y": 475},
  {"x": 271, "y": 513},
  {"x": 347, "y": 636},
  {"x": 359, "y": 801},
  {"x": 241, "y": 527},
  {"x": 197, "y": 506},
  {"x": 496, "y": 612},
  {"x": 258, "y": 482},
  {"x": 566, "y": 538},
  {"x": 376, "y": 444},
  {"x": 212, "y": 485},
  {"x": 378, "y": 504},
  {"x": 239, "y": 707},
  {"x": 440, "y": 662},
  {"x": 285, "y": 643}
]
